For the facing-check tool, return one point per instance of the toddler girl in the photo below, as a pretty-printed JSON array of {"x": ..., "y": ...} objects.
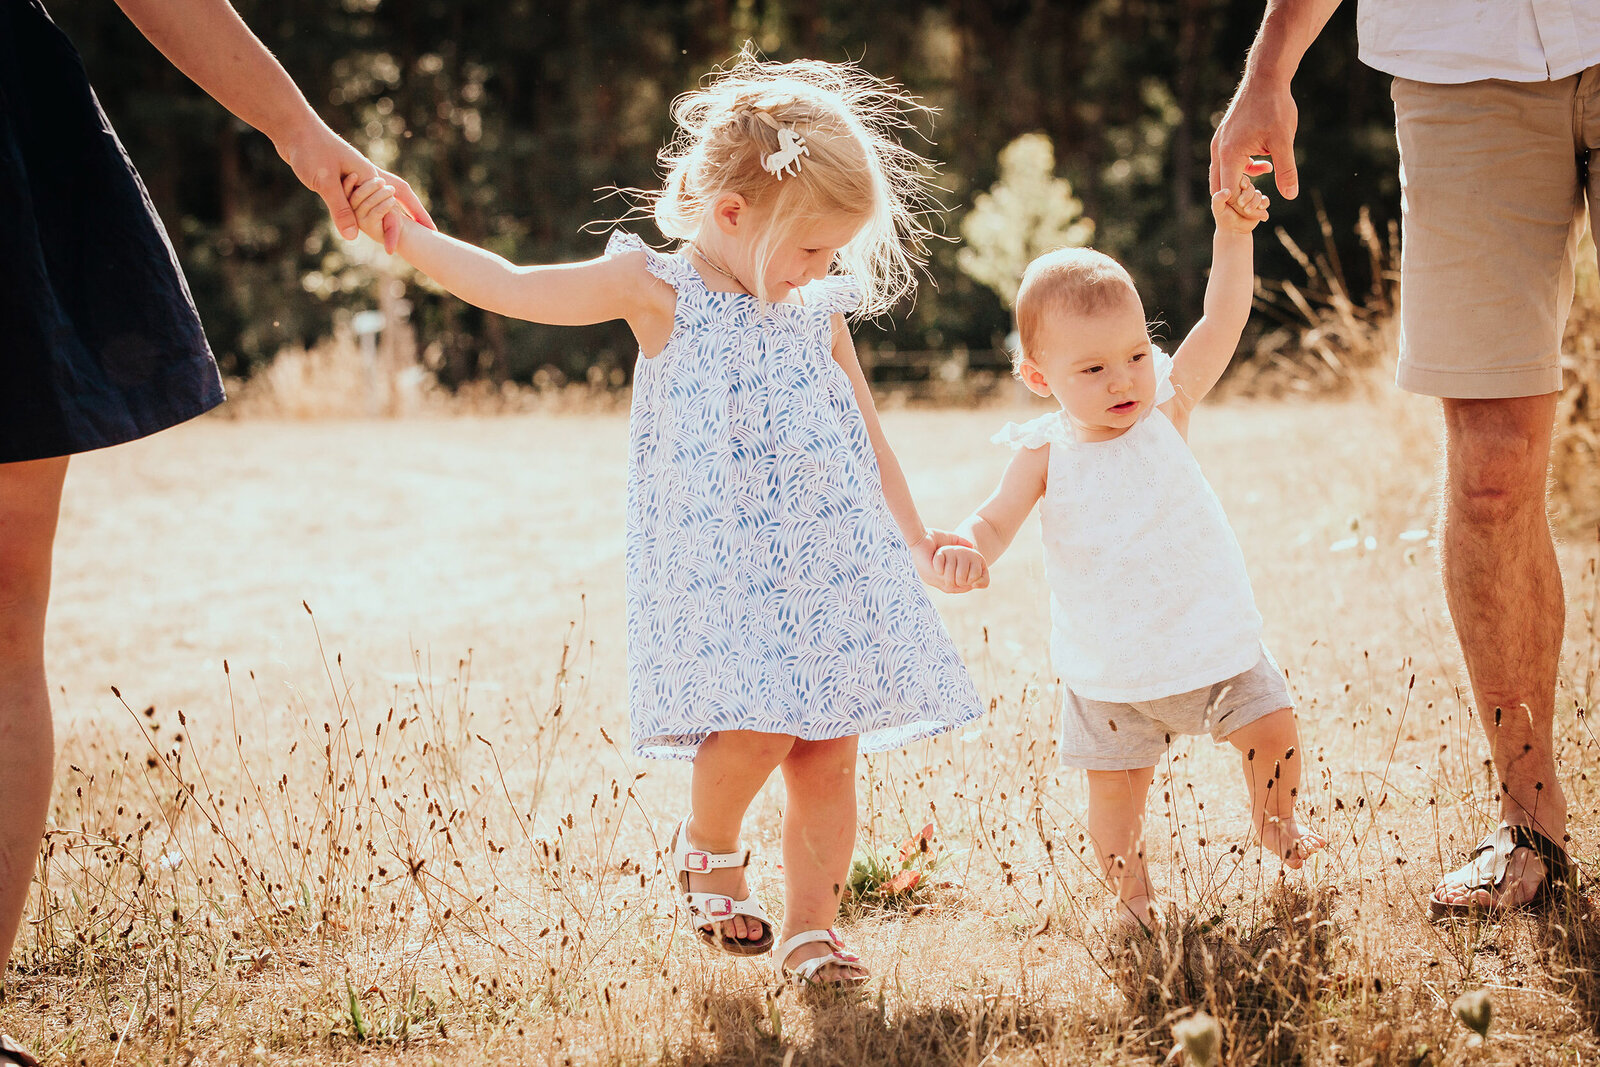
[
  {"x": 1154, "y": 627},
  {"x": 775, "y": 615}
]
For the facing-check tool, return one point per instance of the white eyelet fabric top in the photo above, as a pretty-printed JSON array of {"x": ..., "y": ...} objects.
[
  {"x": 768, "y": 585},
  {"x": 1149, "y": 596}
]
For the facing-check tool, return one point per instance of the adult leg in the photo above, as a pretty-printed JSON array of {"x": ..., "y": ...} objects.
[
  {"x": 729, "y": 770},
  {"x": 1116, "y": 826},
  {"x": 30, "y": 501},
  {"x": 819, "y": 835},
  {"x": 1504, "y": 590},
  {"x": 1270, "y": 747}
]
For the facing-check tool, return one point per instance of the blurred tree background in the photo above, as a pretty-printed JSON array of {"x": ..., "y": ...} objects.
[{"x": 512, "y": 117}]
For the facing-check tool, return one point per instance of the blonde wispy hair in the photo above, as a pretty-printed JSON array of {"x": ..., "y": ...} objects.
[
  {"x": 855, "y": 165},
  {"x": 1068, "y": 281}
]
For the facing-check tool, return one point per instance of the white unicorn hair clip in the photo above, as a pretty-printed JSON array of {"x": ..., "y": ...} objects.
[{"x": 791, "y": 146}]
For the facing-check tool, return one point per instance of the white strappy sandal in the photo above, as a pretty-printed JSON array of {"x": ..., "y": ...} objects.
[
  {"x": 706, "y": 910},
  {"x": 806, "y": 972}
]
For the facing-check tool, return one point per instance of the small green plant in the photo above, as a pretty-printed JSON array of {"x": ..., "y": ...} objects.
[{"x": 897, "y": 881}]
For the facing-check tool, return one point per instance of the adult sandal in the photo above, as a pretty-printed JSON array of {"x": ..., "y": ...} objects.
[
  {"x": 11, "y": 1052},
  {"x": 805, "y": 973},
  {"x": 706, "y": 910},
  {"x": 1491, "y": 860}
]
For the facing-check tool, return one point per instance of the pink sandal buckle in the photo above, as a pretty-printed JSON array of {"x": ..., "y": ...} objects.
[
  {"x": 692, "y": 858},
  {"x": 719, "y": 908}
]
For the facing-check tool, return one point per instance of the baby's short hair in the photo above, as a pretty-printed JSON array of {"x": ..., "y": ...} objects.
[{"x": 1068, "y": 281}]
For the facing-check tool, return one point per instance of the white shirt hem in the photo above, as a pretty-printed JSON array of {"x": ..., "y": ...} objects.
[{"x": 1188, "y": 683}]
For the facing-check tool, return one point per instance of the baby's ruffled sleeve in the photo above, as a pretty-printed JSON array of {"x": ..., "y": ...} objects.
[
  {"x": 674, "y": 270},
  {"x": 1164, "y": 388},
  {"x": 1036, "y": 433}
]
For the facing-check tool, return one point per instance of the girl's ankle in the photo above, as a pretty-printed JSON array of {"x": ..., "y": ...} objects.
[{"x": 698, "y": 840}]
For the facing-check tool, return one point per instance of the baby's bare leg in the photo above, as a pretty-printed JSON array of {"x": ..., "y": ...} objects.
[
  {"x": 1271, "y": 750},
  {"x": 1116, "y": 824}
]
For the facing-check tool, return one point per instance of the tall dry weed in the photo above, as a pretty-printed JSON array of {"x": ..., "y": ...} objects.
[
  {"x": 1329, "y": 339},
  {"x": 1575, "y": 456}
]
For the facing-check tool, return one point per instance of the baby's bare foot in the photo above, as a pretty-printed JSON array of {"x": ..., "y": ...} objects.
[
  {"x": 1285, "y": 839},
  {"x": 1124, "y": 918}
]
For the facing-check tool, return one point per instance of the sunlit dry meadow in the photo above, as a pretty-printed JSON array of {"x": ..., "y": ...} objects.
[{"x": 343, "y": 776}]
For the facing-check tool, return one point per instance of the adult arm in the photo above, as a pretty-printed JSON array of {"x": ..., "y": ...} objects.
[
  {"x": 208, "y": 41},
  {"x": 1262, "y": 116}
]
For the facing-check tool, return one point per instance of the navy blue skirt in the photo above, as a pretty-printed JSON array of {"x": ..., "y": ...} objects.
[{"x": 99, "y": 339}]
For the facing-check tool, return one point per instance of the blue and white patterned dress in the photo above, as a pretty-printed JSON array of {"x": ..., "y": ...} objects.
[{"x": 769, "y": 587}]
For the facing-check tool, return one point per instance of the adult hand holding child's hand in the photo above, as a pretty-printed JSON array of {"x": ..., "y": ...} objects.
[{"x": 373, "y": 201}]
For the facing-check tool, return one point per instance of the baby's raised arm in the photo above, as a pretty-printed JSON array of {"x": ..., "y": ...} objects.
[
  {"x": 993, "y": 526},
  {"x": 566, "y": 294},
  {"x": 1205, "y": 353}
]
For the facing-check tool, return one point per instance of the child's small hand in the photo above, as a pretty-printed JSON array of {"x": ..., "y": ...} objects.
[
  {"x": 375, "y": 205},
  {"x": 961, "y": 569},
  {"x": 1240, "y": 210}
]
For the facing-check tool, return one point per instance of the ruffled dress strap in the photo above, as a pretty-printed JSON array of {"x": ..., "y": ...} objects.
[
  {"x": 1165, "y": 390},
  {"x": 675, "y": 270},
  {"x": 834, "y": 293},
  {"x": 1048, "y": 429}
]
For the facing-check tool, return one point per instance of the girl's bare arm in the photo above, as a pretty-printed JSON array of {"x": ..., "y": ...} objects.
[
  {"x": 564, "y": 294},
  {"x": 895, "y": 489}
]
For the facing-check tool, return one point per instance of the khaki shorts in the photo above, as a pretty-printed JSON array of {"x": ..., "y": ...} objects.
[
  {"x": 1494, "y": 177},
  {"x": 1100, "y": 735}
]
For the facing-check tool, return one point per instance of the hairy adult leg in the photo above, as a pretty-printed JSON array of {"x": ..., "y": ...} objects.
[{"x": 1504, "y": 590}]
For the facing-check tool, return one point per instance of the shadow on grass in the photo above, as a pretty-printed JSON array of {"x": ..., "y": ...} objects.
[
  {"x": 1259, "y": 979},
  {"x": 843, "y": 1031},
  {"x": 1569, "y": 942}
]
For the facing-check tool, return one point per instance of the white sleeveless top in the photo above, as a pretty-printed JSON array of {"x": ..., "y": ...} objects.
[{"x": 1148, "y": 591}]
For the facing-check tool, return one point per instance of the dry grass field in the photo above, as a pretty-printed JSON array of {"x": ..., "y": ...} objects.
[{"x": 404, "y": 827}]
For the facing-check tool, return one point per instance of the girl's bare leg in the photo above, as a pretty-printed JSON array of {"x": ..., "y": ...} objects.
[
  {"x": 30, "y": 501},
  {"x": 729, "y": 770},
  {"x": 819, "y": 835},
  {"x": 1116, "y": 825},
  {"x": 1271, "y": 750}
]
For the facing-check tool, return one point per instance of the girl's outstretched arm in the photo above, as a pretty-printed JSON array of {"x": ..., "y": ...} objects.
[
  {"x": 993, "y": 526},
  {"x": 564, "y": 294},
  {"x": 1205, "y": 353}
]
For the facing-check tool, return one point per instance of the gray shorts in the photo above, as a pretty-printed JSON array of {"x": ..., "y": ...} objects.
[{"x": 1099, "y": 735}]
